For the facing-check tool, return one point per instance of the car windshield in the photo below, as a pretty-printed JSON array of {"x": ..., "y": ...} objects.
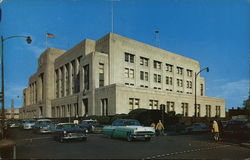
[
  {"x": 66, "y": 126},
  {"x": 132, "y": 123}
]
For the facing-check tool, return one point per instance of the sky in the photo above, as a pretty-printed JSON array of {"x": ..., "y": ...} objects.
[{"x": 214, "y": 32}]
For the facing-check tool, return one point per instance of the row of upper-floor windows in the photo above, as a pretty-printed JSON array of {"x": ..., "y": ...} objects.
[{"x": 130, "y": 58}]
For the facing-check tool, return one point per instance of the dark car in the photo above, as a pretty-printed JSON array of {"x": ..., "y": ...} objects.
[
  {"x": 91, "y": 125},
  {"x": 238, "y": 129},
  {"x": 69, "y": 131}
]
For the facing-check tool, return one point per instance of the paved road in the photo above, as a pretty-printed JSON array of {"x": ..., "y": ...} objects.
[{"x": 32, "y": 146}]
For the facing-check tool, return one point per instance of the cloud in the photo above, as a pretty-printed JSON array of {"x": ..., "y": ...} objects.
[{"x": 233, "y": 92}]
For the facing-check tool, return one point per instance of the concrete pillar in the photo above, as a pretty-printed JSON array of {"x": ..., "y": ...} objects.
[
  {"x": 64, "y": 80},
  {"x": 59, "y": 82},
  {"x": 70, "y": 79}
]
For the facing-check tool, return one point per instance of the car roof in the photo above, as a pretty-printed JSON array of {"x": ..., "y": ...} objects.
[
  {"x": 39, "y": 120},
  {"x": 64, "y": 123}
]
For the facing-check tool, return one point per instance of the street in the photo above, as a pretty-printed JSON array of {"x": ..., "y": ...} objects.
[{"x": 35, "y": 146}]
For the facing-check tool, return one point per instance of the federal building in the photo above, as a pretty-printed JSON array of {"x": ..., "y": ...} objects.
[{"x": 115, "y": 75}]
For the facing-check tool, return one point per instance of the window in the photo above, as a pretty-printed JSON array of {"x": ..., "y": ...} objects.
[
  {"x": 157, "y": 64},
  {"x": 197, "y": 110},
  {"x": 129, "y": 57},
  {"x": 201, "y": 89},
  {"x": 169, "y": 67},
  {"x": 134, "y": 103},
  {"x": 184, "y": 107},
  {"x": 208, "y": 110},
  {"x": 126, "y": 73},
  {"x": 170, "y": 106},
  {"x": 101, "y": 74},
  {"x": 143, "y": 61},
  {"x": 153, "y": 104},
  {"x": 104, "y": 106},
  {"x": 146, "y": 76},
  {"x": 129, "y": 73},
  {"x": 169, "y": 80},
  {"x": 179, "y": 82},
  {"x": 179, "y": 70},
  {"x": 157, "y": 78},
  {"x": 141, "y": 75},
  {"x": 189, "y": 73},
  {"x": 217, "y": 111},
  {"x": 189, "y": 84},
  {"x": 86, "y": 76}
]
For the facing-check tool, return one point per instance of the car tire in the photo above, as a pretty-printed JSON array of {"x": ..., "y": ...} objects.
[
  {"x": 129, "y": 137},
  {"x": 61, "y": 139},
  {"x": 147, "y": 138},
  {"x": 84, "y": 139}
]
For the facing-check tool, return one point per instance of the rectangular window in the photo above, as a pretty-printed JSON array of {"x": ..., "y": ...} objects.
[
  {"x": 86, "y": 76},
  {"x": 169, "y": 80},
  {"x": 126, "y": 73},
  {"x": 129, "y": 57},
  {"x": 101, "y": 74},
  {"x": 189, "y": 84},
  {"x": 169, "y": 67},
  {"x": 153, "y": 104},
  {"x": 201, "y": 89},
  {"x": 217, "y": 111},
  {"x": 131, "y": 73},
  {"x": 184, "y": 107},
  {"x": 208, "y": 110},
  {"x": 143, "y": 61},
  {"x": 189, "y": 73},
  {"x": 170, "y": 106},
  {"x": 179, "y": 70},
  {"x": 157, "y": 78},
  {"x": 146, "y": 76},
  {"x": 179, "y": 82},
  {"x": 104, "y": 106},
  {"x": 141, "y": 75},
  {"x": 157, "y": 64},
  {"x": 134, "y": 103}
]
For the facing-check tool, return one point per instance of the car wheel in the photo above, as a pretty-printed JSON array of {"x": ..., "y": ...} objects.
[
  {"x": 61, "y": 139},
  {"x": 147, "y": 138},
  {"x": 129, "y": 137},
  {"x": 84, "y": 139}
]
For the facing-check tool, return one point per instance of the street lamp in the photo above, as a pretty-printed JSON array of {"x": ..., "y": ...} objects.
[
  {"x": 28, "y": 40},
  {"x": 195, "y": 103}
]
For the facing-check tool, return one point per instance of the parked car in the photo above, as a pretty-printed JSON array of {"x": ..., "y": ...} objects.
[
  {"x": 91, "y": 125},
  {"x": 28, "y": 124},
  {"x": 238, "y": 129},
  {"x": 129, "y": 129},
  {"x": 43, "y": 126},
  {"x": 69, "y": 131},
  {"x": 198, "y": 128}
]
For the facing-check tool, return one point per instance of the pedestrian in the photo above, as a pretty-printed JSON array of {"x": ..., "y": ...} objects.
[
  {"x": 215, "y": 130},
  {"x": 160, "y": 128},
  {"x": 152, "y": 125}
]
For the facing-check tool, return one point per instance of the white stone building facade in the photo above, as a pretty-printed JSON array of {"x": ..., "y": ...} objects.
[{"x": 115, "y": 75}]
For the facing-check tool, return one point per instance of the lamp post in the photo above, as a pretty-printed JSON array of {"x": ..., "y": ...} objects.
[
  {"x": 195, "y": 98},
  {"x": 28, "y": 40}
]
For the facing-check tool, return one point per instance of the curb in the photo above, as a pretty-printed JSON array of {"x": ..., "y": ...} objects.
[{"x": 245, "y": 145}]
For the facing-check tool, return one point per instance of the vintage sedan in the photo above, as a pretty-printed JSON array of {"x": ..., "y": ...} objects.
[
  {"x": 43, "y": 126},
  {"x": 129, "y": 129},
  {"x": 198, "y": 128},
  {"x": 92, "y": 125},
  {"x": 69, "y": 131}
]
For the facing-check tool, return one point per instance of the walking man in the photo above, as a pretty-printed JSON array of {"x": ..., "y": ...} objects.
[{"x": 160, "y": 128}]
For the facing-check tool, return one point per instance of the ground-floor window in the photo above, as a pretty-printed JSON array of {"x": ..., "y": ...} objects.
[
  {"x": 134, "y": 103},
  {"x": 104, "y": 106},
  {"x": 184, "y": 107}
]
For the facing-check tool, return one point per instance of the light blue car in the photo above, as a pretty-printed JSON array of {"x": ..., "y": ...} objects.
[{"x": 128, "y": 129}]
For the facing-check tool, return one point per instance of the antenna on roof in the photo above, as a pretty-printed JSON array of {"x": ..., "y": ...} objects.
[
  {"x": 112, "y": 14},
  {"x": 157, "y": 38}
]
